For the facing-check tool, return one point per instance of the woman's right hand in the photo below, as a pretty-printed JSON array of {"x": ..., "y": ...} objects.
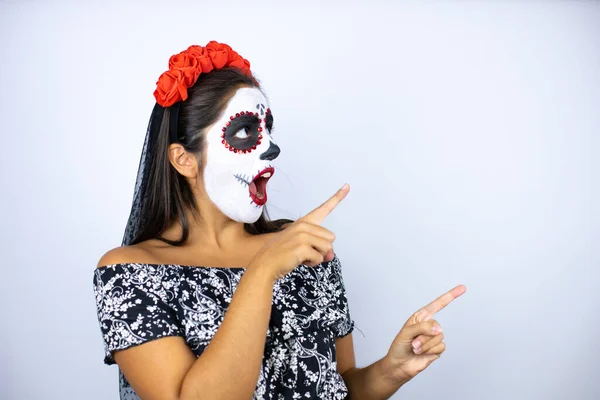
[{"x": 303, "y": 242}]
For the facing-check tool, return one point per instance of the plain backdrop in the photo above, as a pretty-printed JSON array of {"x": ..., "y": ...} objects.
[{"x": 468, "y": 132}]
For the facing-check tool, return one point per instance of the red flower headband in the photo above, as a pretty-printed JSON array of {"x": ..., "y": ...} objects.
[{"x": 185, "y": 68}]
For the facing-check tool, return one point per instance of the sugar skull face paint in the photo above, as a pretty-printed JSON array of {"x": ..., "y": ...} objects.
[{"x": 239, "y": 156}]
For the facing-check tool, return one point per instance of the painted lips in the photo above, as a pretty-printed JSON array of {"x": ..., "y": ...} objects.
[{"x": 258, "y": 186}]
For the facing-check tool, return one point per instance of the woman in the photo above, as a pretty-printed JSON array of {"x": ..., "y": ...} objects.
[{"x": 207, "y": 298}]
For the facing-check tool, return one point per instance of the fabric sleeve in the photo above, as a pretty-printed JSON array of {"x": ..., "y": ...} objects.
[
  {"x": 132, "y": 306},
  {"x": 344, "y": 324}
]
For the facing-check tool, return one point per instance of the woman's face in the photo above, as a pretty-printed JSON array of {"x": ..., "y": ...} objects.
[{"x": 239, "y": 156}]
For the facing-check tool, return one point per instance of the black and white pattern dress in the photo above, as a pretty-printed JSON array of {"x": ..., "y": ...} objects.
[{"x": 137, "y": 303}]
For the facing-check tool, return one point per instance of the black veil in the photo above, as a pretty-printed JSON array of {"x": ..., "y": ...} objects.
[{"x": 136, "y": 217}]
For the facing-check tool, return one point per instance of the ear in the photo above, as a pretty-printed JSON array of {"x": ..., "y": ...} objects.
[{"x": 183, "y": 161}]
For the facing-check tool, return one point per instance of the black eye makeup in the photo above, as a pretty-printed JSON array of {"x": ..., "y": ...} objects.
[
  {"x": 242, "y": 133},
  {"x": 269, "y": 121}
]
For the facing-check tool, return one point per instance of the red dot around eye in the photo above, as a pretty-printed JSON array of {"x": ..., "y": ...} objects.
[
  {"x": 224, "y": 129},
  {"x": 258, "y": 142},
  {"x": 237, "y": 114},
  {"x": 260, "y": 129},
  {"x": 223, "y": 141},
  {"x": 260, "y": 136},
  {"x": 222, "y": 135},
  {"x": 259, "y": 120},
  {"x": 228, "y": 123},
  {"x": 241, "y": 113},
  {"x": 253, "y": 147},
  {"x": 244, "y": 151},
  {"x": 231, "y": 118}
]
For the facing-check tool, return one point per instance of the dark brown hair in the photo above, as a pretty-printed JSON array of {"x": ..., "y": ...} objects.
[{"x": 169, "y": 194}]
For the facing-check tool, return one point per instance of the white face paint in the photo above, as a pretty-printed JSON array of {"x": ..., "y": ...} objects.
[{"x": 239, "y": 156}]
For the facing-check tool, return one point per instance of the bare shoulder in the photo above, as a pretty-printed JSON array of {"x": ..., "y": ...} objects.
[{"x": 122, "y": 255}]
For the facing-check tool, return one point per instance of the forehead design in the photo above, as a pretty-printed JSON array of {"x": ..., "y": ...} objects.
[{"x": 246, "y": 99}]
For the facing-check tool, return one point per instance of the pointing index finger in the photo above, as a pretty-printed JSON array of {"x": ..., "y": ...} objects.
[
  {"x": 318, "y": 215},
  {"x": 438, "y": 304}
]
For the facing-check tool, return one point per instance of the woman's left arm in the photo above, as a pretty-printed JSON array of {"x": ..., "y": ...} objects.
[
  {"x": 377, "y": 381},
  {"x": 418, "y": 344}
]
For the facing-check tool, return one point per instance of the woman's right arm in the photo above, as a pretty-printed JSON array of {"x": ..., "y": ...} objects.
[
  {"x": 166, "y": 369},
  {"x": 229, "y": 367}
]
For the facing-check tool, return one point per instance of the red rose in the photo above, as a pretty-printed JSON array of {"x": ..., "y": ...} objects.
[
  {"x": 218, "y": 53},
  {"x": 171, "y": 88},
  {"x": 201, "y": 55},
  {"x": 233, "y": 55},
  {"x": 187, "y": 64},
  {"x": 185, "y": 68},
  {"x": 239, "y": 62},
  {"x": 242, "y": 64}
]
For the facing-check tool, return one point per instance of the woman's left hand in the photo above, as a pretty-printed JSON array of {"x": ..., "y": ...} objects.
[{"x": 420, "y": 342}]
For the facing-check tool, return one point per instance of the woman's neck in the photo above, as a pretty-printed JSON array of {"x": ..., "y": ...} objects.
[{"x": 209, "y": 227}]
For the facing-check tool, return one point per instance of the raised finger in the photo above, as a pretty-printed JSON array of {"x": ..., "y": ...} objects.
[
  {"x": 318, "y": 215},
  {"x": 438, "y": 304}
]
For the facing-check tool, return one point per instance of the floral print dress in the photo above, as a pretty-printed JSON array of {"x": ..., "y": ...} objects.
[{"x": 137, "y": 303}]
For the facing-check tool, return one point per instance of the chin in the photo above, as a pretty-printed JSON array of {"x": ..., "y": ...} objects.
[{"x": 247, "y": 212}]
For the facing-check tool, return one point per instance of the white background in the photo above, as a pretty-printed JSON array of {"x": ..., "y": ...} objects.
[{"x": 467, "y": 131}]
